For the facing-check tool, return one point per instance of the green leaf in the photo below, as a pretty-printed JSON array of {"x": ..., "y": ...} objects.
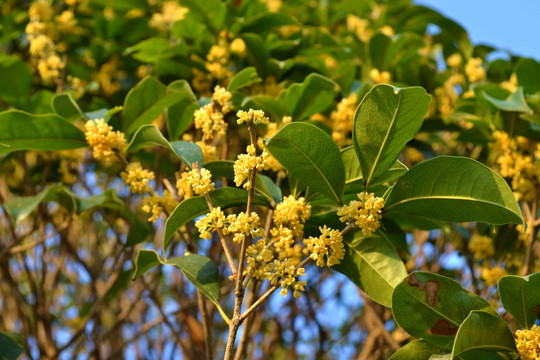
[
  {"x": 199, "y": 270},
  {"x": 66, "y": 107},
  {"x": 11, "y": 346},
  {"x": 353, "y": 170},
  {"x": 311, "y": 156},
  {"x": 16, "y": 80},
  {"x": 457, "y": 189},
  {"x": 314, "y": 95},
  {"x": 23, "y": 131},
  {"x": 267, "y": 21},
  {"x": 180, "y": 115},
  {"x": 266, "y": 103},
  {"x": 514, "y": 102},
  {"x": 19, "y": 207},
  {"x": 386, "y": 119},
  {"x": 107, "y": 199},
  {"x": 146, "y": 101},
  {"x": 257, "y": 52},
  {"x": 148, "y": 50},
  {"x": 482, "y": 333},
  {"x": 520, "y": 296},
  {"x": 263, "y": 184},
  {"x": 149, "y": 135},
  {"x": 191, "y": 208},
  {"x": 372, "y": 263},
  {"x": 209, "y": 12},
  {"x": 528, "y": 75},
  {"x": 432, "y": 307},
  {"x": 244, "y": 78},
  {"x": 417, "y": 350}
]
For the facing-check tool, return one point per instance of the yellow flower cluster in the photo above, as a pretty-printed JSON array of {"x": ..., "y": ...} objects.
[
  {"x": 210, "y": 122},
  {"x": 342, "y": 120},
  {"x": 474, "y": 70},
  {"x": 380, "y": 77},
  {"x": 273, "y": 5},
  {"x": 492, "y": 275},
  {"x": 157, "y": 204},
  {"x": 246, "y": 163},
  {"x": 217, "y": 60},
  {"x": 200, "y": 181},
  {"x": 243, "y": 225},
  {"x": 251, "y": 117},
  {"x": 366, "y": 213},
  {"x": 286, "y": 274},
  {"x": 454, "y": 60},
  {"x": 447, "y": 95},
  {"x": 511, "y": 84},
  {"x": 528, "y": 343},
  {"x": 271, "y": 130},
  {"x": 259, "y": 257},
  {"x": 185, "y": 191},
  {"x": 359, "y": 27},
  {"x": 211, "y": 222},
  {"x": 329, "y": 245},
  {"x": 481, "y": 246},
  {"x": 103, "y": 140},
  {"x": 171, "y": 12},
  {"x": 137, "y": 178},
  {"x": 292, "y": 213},
  {"x": 109, "y": 76},
  {"x": 222, "y": 97},
  {"x": 238, "y": 47}
]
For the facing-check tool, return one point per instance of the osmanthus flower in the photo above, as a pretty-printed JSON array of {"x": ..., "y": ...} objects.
[
  {"x": 292, "y": 213},
  {"x": 243, "y": 225},
  {"x": 137, "y": 178},
  {"x": 103, "y": 140},
  {"x": 286, "y": 274},
  {"x": 211, "y": 222},
  {"x": 528, "y": 343},
  {"x": 170, "y": 13},
  {"x": 474, "y": 70},
  {"x": 380, "y": 77},
  {"x": 222, "y": 97},
  {"x": 210, "y": 122},
  {"x": 329, "y": 245},
  {"x": 342, "y": 120},
  {"x": 246, "y": 163},
  {"x": 157, "y": 204},
  {"x": 200, "y": 181},
  {"x": 365, "y": 213},
  {"x": 259, "y": 257},
  {"x": 492, "y": 275},
  {"x": 185, "y": 191},
  {"x": 252, "y": 117},
  {"x": 481, "y": 246}
]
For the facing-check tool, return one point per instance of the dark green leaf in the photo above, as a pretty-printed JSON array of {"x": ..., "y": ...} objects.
[
  {"x": 353, "y": 171},
  {"x": 432, "y": 307},
  {"x": 416, "y": 350},
  {"x": 189, "y": 152},
  {"x": 66, "y": 107},
  {"x": 10, "y": 346},
  {"x": 372, "y": 263},
  {"x": 148, "y": 50},
  {"x": 23, "y": 131},
  {"x": 454, "y": 189},
  {"x": 180, "y": 115},
  {"x": 311, "y": 156},
  {"x": 482, "y": 333},
  {"x": 199, "y": 270},
  {"x": 520, "y": 296},
  {"x": 196, "y": 206},
  {"x": 257, "y": 53},
  {"x": 515, "y": 102},
  {"x": 267, "y": 103},
  {"x": 312, "y": 96},
  {"x": 209, "y": 12},
  {"x": 264, "y": 22},
  {"x": 246, "y": 77},
  {"x": 528, "y": 75},
  {"x": 387, "y": 118},
  {"x": 16, "y": 79}
]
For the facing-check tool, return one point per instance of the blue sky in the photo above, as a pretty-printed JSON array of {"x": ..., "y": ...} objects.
[{"x": 507, "y": 25}]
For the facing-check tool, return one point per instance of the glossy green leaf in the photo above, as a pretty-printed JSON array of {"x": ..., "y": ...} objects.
[
  {"x": 314, "y": 95},
  {"x": 520, "y": 296},
  {"x": 514, "y": 102},
  {"x": 266, "y": 21},
  {"x": 311, "y": 156},
  {"x": 209, "y": 12},
  {"x": 480, "y": 333},
  {"x": 148, "y": 50},
  {"x": 353, "y": 170},
  {"x": 417, "y": 350},
  {"x": 456, "y": 189},
  {"x": 257, "y": 52},
  {"x": 372, "y": 263},
  {"x": 189, "y": 152},
  {"x": 65, "y": 106},
  {"x": 146, "y": 101},
  {"x": 196, "y": 206},
  {"x": 244, "y": 78},
  {"x": 528, "y": 75},
  {"x": 23, "y": 131},
  {"x": 16, "y": 80},
  {"x": 19, "y": 207},
  {"x": 386, "y": 119},
  {"x": 263, "y": 184},
  {"x": 266, "y": 103},
  {"x": 199, "y": 270},
  {"x": 432, "y": 307},
  {"x": 107, "y": 199},
  {"x": 10, "y": 346},
  {"x": 180, "y": 114}
]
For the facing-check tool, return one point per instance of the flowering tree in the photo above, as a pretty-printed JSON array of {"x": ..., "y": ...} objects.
[{"x": 226, "y": 179}]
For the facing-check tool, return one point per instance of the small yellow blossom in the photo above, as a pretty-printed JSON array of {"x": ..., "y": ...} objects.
[
  {"x": 492, "y": 275},
  {"x": 170, "y": 13},
  {"x": 329, "y": 245},
  {"x": 380, "y": 77},
  {"x": 292, "y": 213},
  {"x": 366, "y": 213},
  {"x": 103, "y": 140},
  {"x": 210, "y": 122},
  {"x": 252, "y": 117},
  {"x": 387, "y": 30},
  {"x": 282, "y": 238},
  {"x": 481, "y": 246},
  {"x": 137, "y": 178},
  {"x": 511, "y": 84},
  {"x": 474, "y": 70},
  {"x": 246, "y": 163},
  {"x": 343, "y": 119},
  {"x": 200, "y": 181},
  {"x": 238, "y": 46},
  {"x": 359, "y": 27},
  {"x": 528, "y": 343},
  {"x": 222, "y": 97},
  {"x": 286, "y": 274},
  {"x": 243, "y": 225},
  {"x": 454, "y": 60},
  {"x": 258, "y": 257},
  {"x": 211, "y": 222},
  {"x": 157, "y": 204},
  {"x": 185, "y": 191}
]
